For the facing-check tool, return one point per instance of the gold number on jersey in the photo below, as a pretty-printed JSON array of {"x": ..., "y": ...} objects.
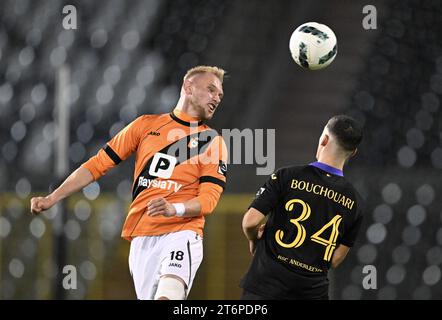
[
  {"x": 300, "y": 234},
  {"x": 329, "y": 243}
]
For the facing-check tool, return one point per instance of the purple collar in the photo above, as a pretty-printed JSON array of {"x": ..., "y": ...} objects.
[{"x": 327, "y": 168}]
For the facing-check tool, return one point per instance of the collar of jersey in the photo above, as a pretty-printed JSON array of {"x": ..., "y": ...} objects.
[
  {"x": 184, "y": 119},
  {"x": 327, "y": 168}
]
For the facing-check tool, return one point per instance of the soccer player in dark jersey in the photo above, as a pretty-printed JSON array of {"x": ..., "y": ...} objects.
[{"x": 313, "y": 218}]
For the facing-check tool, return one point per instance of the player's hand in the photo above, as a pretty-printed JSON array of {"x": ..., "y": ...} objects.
[
  {"x": 260, "y": 231},
  {"x": 160, "y": 206},
  {"x": 252, "y": 243},
  {"x": 39, "y": 204},
  {"x": 252, "y": 247}
]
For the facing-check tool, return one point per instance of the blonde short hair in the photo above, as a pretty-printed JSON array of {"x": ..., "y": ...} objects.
[{"x": 203, "y": 69}]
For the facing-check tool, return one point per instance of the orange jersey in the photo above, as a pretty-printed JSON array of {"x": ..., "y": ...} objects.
[{"x": 177, "y": 158}]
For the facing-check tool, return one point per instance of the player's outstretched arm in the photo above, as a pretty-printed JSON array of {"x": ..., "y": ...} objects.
[
  {"x": 76, "y": 181},
  {"x": 339, "y": 255}
]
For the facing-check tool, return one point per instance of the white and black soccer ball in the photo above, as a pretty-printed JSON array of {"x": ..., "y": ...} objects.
[{"x": 313, "y": 45}]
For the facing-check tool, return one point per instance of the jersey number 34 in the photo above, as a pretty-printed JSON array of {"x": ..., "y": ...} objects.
[{"x": 330, "y": 243}]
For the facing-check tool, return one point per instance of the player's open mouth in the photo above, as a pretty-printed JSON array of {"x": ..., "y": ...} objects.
[{"x": 212, "y": 107}]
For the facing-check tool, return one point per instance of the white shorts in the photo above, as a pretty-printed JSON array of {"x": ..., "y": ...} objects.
[{"x": 178, "y": 253}]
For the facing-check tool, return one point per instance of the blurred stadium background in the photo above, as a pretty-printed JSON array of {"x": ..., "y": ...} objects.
[{"x": 128, "y": 57}]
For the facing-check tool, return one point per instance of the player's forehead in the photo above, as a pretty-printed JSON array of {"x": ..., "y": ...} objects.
[{"x": 208, "y": 79}]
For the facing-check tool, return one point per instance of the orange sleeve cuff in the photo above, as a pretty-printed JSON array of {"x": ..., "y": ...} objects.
[{"x": 99, "y": 164}]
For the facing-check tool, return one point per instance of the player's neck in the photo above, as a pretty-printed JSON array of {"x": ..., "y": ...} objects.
[
  {"x": 332, "y": 161},
  {"x": 187, "y": 108}
]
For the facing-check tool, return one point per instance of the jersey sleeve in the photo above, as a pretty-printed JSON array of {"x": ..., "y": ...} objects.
[
  {"x": 213, "y": 175},
  {"x": 120, "y": 147},
  {"x": 269, "y": 194},
  {"x": 350, "y": 235},
  {"x": 208, "y": 197},
  {"x": 214, "y": 163}
]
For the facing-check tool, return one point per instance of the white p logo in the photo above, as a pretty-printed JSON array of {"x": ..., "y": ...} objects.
[{"x": 162, "y": 165}]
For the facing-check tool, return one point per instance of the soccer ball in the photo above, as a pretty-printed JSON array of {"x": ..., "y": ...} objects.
[{"x": 313, "y": 45}]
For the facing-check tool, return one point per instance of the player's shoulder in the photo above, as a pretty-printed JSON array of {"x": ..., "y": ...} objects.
[
  {"x": 293, "y": 169},
  {"x": 359, "y": 198},
  {"x": 206, "y": 128},
  {"x": 145, "y": 120},
  {"x": 212, "y": 135},
  {"x": 288, "y": 172},
  {"x": 348, "y": 184},
  {"x": 153, "y": 116},
  {"x": 353, "y": 193}
]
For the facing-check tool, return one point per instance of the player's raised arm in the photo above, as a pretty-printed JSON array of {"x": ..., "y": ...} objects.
[
  {"x": 76, "y": 181},
  {"x": 116, "y": 150}
]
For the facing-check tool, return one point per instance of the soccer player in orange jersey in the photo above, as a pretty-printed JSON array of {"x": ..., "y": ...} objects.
[{"x": 180, "y": 173}]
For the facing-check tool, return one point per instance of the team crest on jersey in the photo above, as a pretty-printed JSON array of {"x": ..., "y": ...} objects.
[
  {"x": 222, "y": 168},
  {"x": 193, "y": 143}
]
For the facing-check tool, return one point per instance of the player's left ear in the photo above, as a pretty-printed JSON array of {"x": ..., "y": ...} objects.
[
  {"x": 187, "y": 86},
  {"x": 325, "y": 140}
]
